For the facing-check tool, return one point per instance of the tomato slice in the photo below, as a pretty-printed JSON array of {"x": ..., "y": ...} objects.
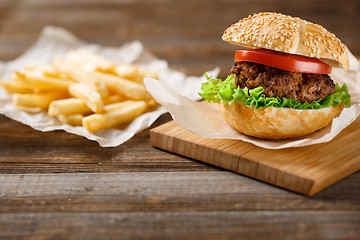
[{"x": 284, "y": 61}]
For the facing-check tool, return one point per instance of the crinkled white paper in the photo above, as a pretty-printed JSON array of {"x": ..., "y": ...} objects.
[
  {"x": 57, "y": 42},
  {"x": 205, "y": 119}
]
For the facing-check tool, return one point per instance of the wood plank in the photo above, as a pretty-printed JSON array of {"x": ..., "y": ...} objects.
[
  {"x": 306, "y": 170},
  {"x": 162, "y": 192},
  {"x": 182, "y": 225}
]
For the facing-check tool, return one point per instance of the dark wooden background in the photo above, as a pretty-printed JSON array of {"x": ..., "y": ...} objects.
[
  {"x": 62, "y": 186},
  {"x": 186, "y": 33}
]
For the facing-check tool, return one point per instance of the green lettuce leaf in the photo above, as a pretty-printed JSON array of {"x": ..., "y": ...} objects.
[{"x": 218, "y": 90}]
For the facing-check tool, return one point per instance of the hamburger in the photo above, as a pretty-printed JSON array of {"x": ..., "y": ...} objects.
[{"x": 279, "y": 86}]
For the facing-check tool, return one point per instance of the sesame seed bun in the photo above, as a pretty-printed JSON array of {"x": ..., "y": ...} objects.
[
  {"x": 277, "y": 123},
  {"x": 288, "y": 34}
]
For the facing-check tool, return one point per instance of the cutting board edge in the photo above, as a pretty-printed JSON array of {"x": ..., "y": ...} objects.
[{"x": 320, "y": 185}]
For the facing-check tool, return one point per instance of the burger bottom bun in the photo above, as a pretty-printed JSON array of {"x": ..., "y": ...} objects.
[{"x": 277, "y": 123}]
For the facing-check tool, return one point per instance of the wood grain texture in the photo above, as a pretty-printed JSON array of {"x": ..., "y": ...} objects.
[
  {"x": 180, "y": 225},
  {"x": 186, "y": 33},
  {"x": 162, "y": 192},
  {"x": 57, "y": 185}
]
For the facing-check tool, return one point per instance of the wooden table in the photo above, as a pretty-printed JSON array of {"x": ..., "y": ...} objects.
[{"x": 61, "y": 186}]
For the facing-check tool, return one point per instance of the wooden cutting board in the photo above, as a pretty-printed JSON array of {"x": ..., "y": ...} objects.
[{"x": 305, "y": 170}]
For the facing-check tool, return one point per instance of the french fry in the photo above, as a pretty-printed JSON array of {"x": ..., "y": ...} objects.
[
  {"x": 119, "y": 105},
  {"x": 146, "y": 73},
  {"x": 152, "y": 103},
  {"x": 80, "y": 75},
  {"x": 43, "y": 83},
  {"x": 91, "y": 97},
  {"x": 37, "y": 100},
  {"x": 47, "y": 70},
  {"x": 16, "y": 87},
  {"x": 114, "y": 99},
  {"x": 134, "y": 73},
  {"x": 20, "y": 78},
  {"x": 90, "y": 61},
  {"x": 128, "y": 71},
  {"x": 74, "y": 120},
  {"x": 123, "y": 86},
  {"x": 69, "y": 106},
  {"x": 115, "y": 115}
]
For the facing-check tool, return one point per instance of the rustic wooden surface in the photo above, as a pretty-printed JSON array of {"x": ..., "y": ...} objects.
[{"x": 61, "y": 186}]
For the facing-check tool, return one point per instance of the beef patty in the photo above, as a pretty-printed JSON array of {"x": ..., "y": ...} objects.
[{"x": 280, "y": 83}]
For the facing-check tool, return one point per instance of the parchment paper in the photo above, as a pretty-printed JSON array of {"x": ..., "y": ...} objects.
[
  {"x": 205, "y": 119},
  {"x": 57, "y": 42}
]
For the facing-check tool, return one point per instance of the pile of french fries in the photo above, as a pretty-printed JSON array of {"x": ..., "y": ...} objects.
[{"x": 83, "y": 89}]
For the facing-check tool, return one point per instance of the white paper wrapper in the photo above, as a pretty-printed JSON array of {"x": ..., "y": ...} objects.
[
  {"x": 205, "y": 119},
  {"x": 57, "y": 42}
]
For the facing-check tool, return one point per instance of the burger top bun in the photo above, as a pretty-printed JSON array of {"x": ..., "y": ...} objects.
[{"x": 288, "y": 34}]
